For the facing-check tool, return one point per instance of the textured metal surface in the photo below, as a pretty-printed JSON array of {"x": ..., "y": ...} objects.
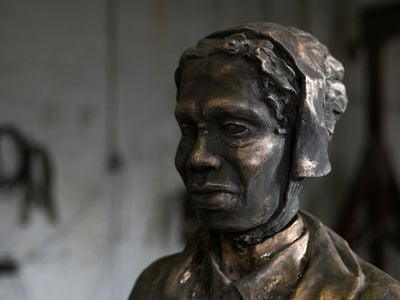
[
  {"x": 257, "y": 105},
  {"x": 304, "y": 261}
]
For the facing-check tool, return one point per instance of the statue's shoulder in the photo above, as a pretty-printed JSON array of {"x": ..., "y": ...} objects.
[
  {"x": 331, "y": 257},
  {"x": 151, "y": 278},
  {"x": 158, "y": 276},
  {"x": 377, "y": 284},
  {"x": 373, "y": 283}
]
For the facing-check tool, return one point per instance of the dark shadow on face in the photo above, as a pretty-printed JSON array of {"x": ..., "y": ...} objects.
[{"x": 233, "y": 163}]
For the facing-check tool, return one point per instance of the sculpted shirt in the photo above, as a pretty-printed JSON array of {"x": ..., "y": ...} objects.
[{"x": 305, "y": 261}]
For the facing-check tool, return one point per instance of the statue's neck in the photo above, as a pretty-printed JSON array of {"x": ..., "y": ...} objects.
[{"x": 237, "y": 260}]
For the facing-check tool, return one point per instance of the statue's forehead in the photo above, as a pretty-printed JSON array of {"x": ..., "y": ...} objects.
[
  {"x": 232, "y": 75},
  {"x": 218, "y": 65},
  {"x": 223, "y": 78},
  {"x": 214, "y": 85}
]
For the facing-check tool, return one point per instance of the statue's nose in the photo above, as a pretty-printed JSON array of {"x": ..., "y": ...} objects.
[{"x": 201, "y": 158}]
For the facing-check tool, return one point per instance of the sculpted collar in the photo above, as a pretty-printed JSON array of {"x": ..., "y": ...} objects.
[{"x": 280, "y": 263}]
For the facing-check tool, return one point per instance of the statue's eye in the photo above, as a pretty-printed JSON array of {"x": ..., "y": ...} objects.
[{"x": 234, "y": 129}]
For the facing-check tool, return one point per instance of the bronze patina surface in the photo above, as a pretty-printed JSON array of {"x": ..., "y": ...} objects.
[{"x": 257, "y": 105}]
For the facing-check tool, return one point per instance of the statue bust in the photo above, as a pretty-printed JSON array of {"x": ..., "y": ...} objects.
[{"x": 257, "y": 105}]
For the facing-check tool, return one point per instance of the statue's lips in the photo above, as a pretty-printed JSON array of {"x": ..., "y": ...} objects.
[
  {"x": 210, "y": 188},
  {"x": 212, "y": 198}
]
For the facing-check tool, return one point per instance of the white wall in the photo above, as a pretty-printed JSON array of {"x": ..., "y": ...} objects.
[{"x": 52, "y": 78}]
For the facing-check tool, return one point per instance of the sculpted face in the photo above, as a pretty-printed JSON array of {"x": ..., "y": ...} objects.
[{"x": 234, "y": 164}]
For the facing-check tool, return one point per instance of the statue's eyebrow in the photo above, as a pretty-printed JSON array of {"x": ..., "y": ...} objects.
[
  {"x": 237, "y": 111},
  {"x": 225, "y": 109},
  {"x": 184, "y": 113}
]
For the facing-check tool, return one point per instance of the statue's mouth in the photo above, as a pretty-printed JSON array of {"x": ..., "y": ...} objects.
[
  {"x": 205, "y": 191},
  {"x": 210, "y": 189},
  {"x": 213, "y": 199}
]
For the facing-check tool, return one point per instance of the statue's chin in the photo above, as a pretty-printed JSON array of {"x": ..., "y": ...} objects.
[
  {"x": 225, "y": 221},
  {"x": 215, "y": 210}
]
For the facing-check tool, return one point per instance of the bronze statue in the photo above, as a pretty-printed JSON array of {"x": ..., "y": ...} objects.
[{"x": 257, "y": 106}]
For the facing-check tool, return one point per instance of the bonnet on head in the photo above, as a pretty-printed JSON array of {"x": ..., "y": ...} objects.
[
  {"x": 302, "y": 86},
  {"x": 323, "y": 95}
]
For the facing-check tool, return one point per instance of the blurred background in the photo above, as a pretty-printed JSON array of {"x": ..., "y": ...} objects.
[{"x": 89, "y": 195}]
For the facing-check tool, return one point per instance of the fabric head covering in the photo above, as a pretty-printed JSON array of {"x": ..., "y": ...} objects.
[{"x": 323, "y": 95}]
